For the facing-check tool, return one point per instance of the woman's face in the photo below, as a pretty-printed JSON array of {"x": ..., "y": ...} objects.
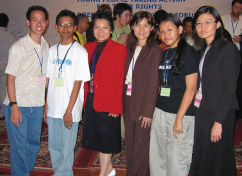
[
  {"x": 102, "y": 30},
  {"x": 206, "y": 27},
  {"x": 170, "y": 33},
  {"x": 142, "y": 31}
]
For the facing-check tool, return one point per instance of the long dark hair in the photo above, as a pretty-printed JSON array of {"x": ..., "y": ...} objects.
[
  {"x": 177, "y": 62},
  {"x": 132, "y": 39},
  {"x": 200, "y": 44}
]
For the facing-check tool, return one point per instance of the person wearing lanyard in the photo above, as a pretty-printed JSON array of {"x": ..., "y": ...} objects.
[
  {"x": 140, "y": 91},
  {"x": 23, "y": 105},
  {"x": 103, "y": 94},
  {"x": 233, "y": 22},
  {"x": 215, "y": 114},
  {"x": 67, "y": 70},
  {"x": 172, "y": 127}
]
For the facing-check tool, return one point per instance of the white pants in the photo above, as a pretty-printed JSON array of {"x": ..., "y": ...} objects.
[{"x": 170, "y": 156}]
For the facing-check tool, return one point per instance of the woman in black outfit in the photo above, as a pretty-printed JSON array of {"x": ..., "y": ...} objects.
[{"x": 216, "y": 100}]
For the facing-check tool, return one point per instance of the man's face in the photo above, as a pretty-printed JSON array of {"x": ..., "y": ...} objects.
[
  {"x": 37, "y": 23},
  {"x": 236, "y": 9},
  {"x": 66, "y": 27},
  {"x": 188, "y": 27},
  {"x": 83, "y": 25},
  {"x": 124, "y": 18}
]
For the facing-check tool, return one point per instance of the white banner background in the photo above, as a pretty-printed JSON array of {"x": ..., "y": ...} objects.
[{"x": 16, "y": 10}]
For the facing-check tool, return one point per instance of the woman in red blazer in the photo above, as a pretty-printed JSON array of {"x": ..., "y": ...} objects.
[{"x": 103, "y": 94}]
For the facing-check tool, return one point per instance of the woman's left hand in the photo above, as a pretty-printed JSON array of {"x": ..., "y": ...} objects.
[
  {"x": 146, "y": 122},
  {"x": 216, "y": 132},
  {"x": 113, "y": 115}
]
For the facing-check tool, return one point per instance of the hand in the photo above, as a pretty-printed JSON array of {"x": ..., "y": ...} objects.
[
  {"x": 16, "y": 115},
  {"x": 113, "y": 115},
  {"x": 68, "y": 120},
  {"x": 177, "y": 128},
  {"x": 45, "y": 112},
  {"x": 216, "y": 132},
  {"x": 123, "y": 38},
  {"x": 146, "y": 122},
  {"x": 236, "y": 38}
]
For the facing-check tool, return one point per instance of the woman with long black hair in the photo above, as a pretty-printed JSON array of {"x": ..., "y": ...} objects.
[
  {"x": 216, "y": 100},
  {"x": 172, "y": 128}
]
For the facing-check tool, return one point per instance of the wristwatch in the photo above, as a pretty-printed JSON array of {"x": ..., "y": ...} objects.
[{"x": 11, "y": 103}]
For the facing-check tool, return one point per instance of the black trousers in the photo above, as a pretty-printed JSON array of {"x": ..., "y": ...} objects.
[{"x": 213, "y": 159}]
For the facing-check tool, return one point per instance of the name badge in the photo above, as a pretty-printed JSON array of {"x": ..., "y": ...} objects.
[
  {"x": 165, "y": 91},
  {"x": 41, "y": 80},
  {"x": 58, "y": 82},
  {"x": 198, "y": 98},
  {"x": 129, "y": 89}
]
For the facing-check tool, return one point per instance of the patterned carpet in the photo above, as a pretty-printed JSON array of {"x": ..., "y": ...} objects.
[
  {"x": 43, "y": 162},
  {"x": 238, "y": 158},
  {"x": 118, "y": 160}
]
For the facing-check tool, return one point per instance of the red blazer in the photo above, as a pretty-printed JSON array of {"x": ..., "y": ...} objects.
[{"x": 108, "y": 78}]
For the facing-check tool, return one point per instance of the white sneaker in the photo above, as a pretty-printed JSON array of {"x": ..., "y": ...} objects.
[{"x": 112, "y": 173}]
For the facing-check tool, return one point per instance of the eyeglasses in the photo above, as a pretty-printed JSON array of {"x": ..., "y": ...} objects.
[
  {"x": 206, "y": 23},
  {"x": 64, "y": 24}
]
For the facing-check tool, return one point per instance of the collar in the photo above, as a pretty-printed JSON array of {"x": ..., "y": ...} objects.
[
  {"x": 33, "y": 42},
  {"x": 232, "y": 20},
  {"x": 78, "y": 33},
  {"x": 123, "y": 28},
  {"x": 217, "y": 43},
  {"x": 3, "y": 29}
]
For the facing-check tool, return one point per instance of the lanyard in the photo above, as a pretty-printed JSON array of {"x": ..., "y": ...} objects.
[
  {"x": 200, "y": 79},
  {"x": 93, "y": 58},
  {"x": 201, "y": 65},
  {"x": 234, "y": 28},
  {"x": 40, "y": 61},
  {"x": 166, "y": 70},
  {"x": 60, "y": 68},
  {"x": 133, "y": 64}
]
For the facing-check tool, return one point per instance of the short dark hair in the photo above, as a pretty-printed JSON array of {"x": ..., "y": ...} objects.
[
  {"x": 81, "y": 17},
  {"x": 139, "y": 16},
  {"x": 66, "y": 13},
  {"x": 185, "y": 20},
  {"x": 3, "y": 20},
  {"x": 120, "y": 8},
  {"x": 104, "y": 8},
  {"x": 234, "y": 1},
  {"x": 36, "y": 8},
  {"x": 103, "y": 15}
]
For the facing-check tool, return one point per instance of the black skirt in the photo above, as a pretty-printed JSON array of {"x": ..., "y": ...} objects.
[
  {"x": 213, "y": 159},
  {"x": 100, "y": 131}
]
